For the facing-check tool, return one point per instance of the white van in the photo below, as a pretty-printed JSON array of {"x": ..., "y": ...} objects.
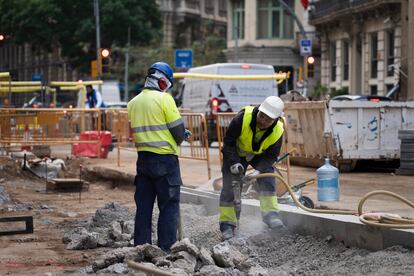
[{"x": 210, "y": 96}]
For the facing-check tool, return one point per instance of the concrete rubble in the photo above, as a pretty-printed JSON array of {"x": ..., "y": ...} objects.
[
  {"x": 111, "y": 226},
  {"x": 255, "y": 251}
]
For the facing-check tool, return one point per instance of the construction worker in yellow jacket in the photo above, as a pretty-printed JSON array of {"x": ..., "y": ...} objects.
[
  {"x": 254, "y": 137},
  {"x": 158, "y": 130}
]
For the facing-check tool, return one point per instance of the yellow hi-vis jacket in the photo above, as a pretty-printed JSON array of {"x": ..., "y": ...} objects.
[
  {"x": 245, "y": 140},
  {"x": 151, "y": 114}
]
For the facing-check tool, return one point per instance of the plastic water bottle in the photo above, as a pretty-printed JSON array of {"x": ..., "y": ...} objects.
[{"x": 328, "y": 182}]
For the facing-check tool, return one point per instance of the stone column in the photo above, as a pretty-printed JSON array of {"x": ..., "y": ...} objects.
[
  {"x": 404, "y": 48},
  {"x": 410, "y": 53}
]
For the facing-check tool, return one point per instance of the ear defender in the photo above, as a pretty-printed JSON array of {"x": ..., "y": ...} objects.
[{"x": 162, "y": 83}]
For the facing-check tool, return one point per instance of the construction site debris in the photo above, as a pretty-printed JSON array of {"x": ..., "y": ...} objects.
[
  {"x": 185, "y": 245},
  {"x": 111, "y": 226},
  {"x": 46, "y": 168},
  {"x": 4, "y": 196},
  {"x": 227, "y": 256}
]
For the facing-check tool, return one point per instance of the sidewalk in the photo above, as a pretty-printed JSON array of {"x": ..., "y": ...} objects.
[{"x": 353, "y": 185}]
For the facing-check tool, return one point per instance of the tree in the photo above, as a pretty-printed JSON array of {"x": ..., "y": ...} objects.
[{"x": 70, "y": 25}]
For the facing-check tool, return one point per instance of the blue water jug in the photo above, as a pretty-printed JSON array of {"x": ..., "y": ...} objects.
[{"x": 328, "y": 182}]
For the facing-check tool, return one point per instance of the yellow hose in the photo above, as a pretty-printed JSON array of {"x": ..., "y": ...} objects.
[{"x": 385, "y": 220}]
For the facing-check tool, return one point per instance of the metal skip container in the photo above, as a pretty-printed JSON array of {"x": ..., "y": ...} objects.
[{"x": 346, "y": 131}]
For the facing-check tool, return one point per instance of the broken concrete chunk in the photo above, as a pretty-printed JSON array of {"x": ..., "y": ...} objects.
[
  {"x": 226, "y": 256},
  {"x": 161, "y": 261},
  {"x": 245, "y": 265},
  {"x": 211, "y": 270},
  {"x": 84, "y": 241},
  {"x": 186, "y": 265},
  {"x": 257, "y": 271},
  {"x": 152, "y": 251},
  {"x": 185, "y": 245},
  {"x": 118, "y": 268},
  {"x": 136, "y": 254},
  {"x": 179, "y": 271},
  {"x": 103, "y": 240},
  {"x": 183, "y": 260},
  {"x": 120, "y": 244},
  {"x": 116, "y": 231},
  {"x": 111, "y": 212},
  {"x": 128, "y": 227},
  {"x": 205, "y": 257},
  {"x": 110, "y": 258},
  {"x": 4, "y": 196}
]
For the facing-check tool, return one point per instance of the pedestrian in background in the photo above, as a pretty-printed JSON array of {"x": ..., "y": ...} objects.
[
  {"x": 254, "y": 137},
  {"x": 93, "y": 98},
  {"x": 158, "y": 130}
]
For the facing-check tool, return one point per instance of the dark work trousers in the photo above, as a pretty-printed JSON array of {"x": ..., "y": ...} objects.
[
  {"x": 158, "y": 176},
  {"x": 267, "y": 186}
]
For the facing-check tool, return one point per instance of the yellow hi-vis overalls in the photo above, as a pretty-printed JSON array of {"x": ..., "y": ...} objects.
[
  {"x": 267, "y": 186},
  {"x": 153, "y": 115}
]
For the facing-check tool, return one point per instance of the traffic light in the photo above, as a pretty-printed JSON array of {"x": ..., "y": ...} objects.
[
  {"x": 2, "y": 37},
  {"x": 310, "y": 60},
  {"x": 104, "y": 56},
  {"x": 310, "y": 67}
]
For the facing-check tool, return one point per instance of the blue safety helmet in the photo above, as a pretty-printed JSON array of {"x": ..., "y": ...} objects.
[{"x": 163, "y": 68}]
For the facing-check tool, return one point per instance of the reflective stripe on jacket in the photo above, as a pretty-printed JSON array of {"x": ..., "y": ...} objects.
[
  {"x": 152, "y": 114},
  {"x": 245, "y": 140}
]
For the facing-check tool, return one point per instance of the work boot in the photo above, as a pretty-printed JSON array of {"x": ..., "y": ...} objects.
[
  {"x": 227, "y": 233},
  {"x": 273, "y": 221}
]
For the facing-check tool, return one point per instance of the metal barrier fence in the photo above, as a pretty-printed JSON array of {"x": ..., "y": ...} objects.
[
  {"x": 223, "y": 121},
  {"x": 196, "y": 148},
  {"x": 26, "y": 127}
]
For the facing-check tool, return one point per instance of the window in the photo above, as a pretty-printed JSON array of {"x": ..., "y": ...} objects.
[
  {"x": 374, "y": 56},
  {"x": 389, "y": 87},
  {"x": 222, "y": 7},
  {"x": 345, "y": 60},
  {"x": 238, "y": 19},
  {"x": 332, "y": 53},
  {"x": 374, "y": 90},
  {"x": 273, "y": 20},
  {"x": 390, "y": 52},
  {"x": 209, "y": 7}
]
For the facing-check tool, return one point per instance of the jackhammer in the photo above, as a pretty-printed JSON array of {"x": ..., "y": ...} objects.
[{"x": 237, "y": 186}]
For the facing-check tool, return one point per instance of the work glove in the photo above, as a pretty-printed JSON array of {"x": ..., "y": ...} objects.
[
  {"x": 237, "y": 169},
  {"x": 187, "y": 135}
]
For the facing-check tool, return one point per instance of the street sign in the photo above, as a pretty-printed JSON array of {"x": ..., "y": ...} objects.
[
  {"x": 183, "y": 59},
  {"x": 305, "y": 47},
  {"x": 37, "y": 77}
]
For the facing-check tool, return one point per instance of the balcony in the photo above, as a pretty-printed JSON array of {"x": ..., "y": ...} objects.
[{"x": 327, "y": 10}]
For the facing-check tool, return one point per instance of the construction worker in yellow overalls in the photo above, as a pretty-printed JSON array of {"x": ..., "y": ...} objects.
[
  {"x": 254, "y": 137},
  {"x": 158, "y": 130}
]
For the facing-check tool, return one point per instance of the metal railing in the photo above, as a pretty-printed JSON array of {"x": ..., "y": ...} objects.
[
  {"x": 196, "y": 148},
  {"x": 27, "y": 127}
]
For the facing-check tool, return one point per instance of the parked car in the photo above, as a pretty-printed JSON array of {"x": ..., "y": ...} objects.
[
  {"x": 361, "y": 98},
  {"x": 116, "y": 104}
]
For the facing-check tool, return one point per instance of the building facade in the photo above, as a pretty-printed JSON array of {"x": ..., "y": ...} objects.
[
  {"x": 186, "y": 21},
  {"x": 362, "y": 45},
  {"x": 263, "y": 31},
  {"x": 24, "y": 62}
]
